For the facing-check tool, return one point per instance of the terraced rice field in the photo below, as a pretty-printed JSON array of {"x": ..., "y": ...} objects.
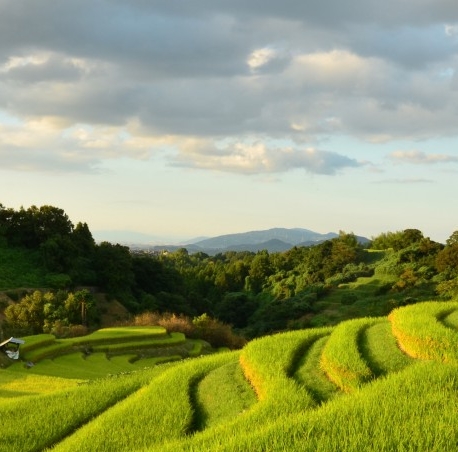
[{"x": 375, "y": 384}]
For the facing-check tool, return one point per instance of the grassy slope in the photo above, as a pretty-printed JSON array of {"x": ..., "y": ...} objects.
[
  {"x": 206, "y": 404},
  {"x": 106, "y": 351}
]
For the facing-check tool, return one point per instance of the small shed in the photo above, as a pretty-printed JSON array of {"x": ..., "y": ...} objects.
[{"x": 11, "y": 347}]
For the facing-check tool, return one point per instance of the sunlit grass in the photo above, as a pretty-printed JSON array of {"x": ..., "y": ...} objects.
[
  {"x": 273, "y": 395},
  {"x": 451, "y": 320},
  {"x": 412, "y": 410},
  {"x": 222, "y": 395},
  {"x": 36, "y": 341},
  {"x": 160, "y": 410},
  {"x": 421, "y": 333},
  {"x": 172, "y": 339},
  {"x": 16, "y": 383},
  {"x": 342, "y": 359},
  {"x": 310, "y": 374},
  {"x": 381, "y": 351},
  {"x": 33, "y": 424},
  {"x": 120, "y": 334}
]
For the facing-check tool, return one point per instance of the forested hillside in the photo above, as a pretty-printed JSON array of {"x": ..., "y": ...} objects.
[{"x": 256, "y": 293}]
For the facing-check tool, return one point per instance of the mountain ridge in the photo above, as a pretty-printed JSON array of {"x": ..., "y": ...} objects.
[
  {"x": 292, "y": 236},
  {"x": 272, "y": 240}
]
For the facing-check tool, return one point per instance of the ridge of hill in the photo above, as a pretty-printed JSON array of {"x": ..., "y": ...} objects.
[
  {"x": 291, "y": 236},
  {"x": 273, "y": 240}
]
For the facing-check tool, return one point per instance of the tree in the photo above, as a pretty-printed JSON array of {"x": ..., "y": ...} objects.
[
  {"x": 260, "y": 270},
  {"x": 114, "y": 268},
  {"x": 51, "y": 222},
  {"x": 5, "y": 223},
  {"x": 236, "y": 308},
  {"x": 453, "y": 239},
  {"x": 28, "y": 315},
  {"x": 80, "y": 308},
  {"x": 447, "y": 260},
  {"x": 397, "y": 240}
]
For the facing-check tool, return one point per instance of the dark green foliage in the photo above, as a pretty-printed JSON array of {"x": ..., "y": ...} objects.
[
  {"x": 113, "y": 264},
  {"x": 348, "y": 298},
  {"x": 236, "y": 308},
  {"x": 397, "y": 240},
  {"x": 257, "y": 293},
  {"x": 447, "y": 260},
  {"x": 275, "y": 315}
]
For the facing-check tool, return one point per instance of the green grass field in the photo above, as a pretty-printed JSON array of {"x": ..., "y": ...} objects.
[{"x": 381, "y": 384}]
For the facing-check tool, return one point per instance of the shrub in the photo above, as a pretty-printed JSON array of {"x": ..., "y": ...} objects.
[
  {"x": 217, "y": 333},
  {"x": 61, "y": 330}
]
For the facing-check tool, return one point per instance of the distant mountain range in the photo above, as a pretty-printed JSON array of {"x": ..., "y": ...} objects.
[{"x": 272, "y": 240}]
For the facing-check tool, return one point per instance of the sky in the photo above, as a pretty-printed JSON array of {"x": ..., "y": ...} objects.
[{"x": 178, "y": 119}]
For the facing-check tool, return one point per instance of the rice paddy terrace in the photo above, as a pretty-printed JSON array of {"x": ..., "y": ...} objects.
[{"x": 371, "y": 384}]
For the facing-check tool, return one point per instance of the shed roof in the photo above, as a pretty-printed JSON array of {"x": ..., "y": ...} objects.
[{"x": 13, "y": 340}]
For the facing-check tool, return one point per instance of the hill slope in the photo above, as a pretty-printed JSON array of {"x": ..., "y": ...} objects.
[
  {"x": 317, "y": 389},
  {"x": 289, "y": 236}
]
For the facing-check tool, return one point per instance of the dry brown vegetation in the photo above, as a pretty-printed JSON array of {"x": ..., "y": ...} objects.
[{"x": 217, "y": 333}]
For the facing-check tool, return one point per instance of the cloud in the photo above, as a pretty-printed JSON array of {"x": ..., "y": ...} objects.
[
  {"x": 257, "y": 158},
  {"x": 421, "y": 158},
  {"x": 267, "y": 59},
  {"x": 151, "y": 76},
  {"x": 451, "y": 29},
  {"x": 47, "y": 146},
  {"x": 40, "y": 67}
]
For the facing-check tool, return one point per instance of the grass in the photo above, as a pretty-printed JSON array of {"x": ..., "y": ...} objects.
[
  {"x": 107, "y": 351},
  {"x": 342, "y": 358},
  {"x": 421, "y": 333},
  {"x": 172, "y": 339},
  {"x": 159, "y": 410},
  {"x": 273, "y": 395},
  {"x": 37, "y": 354},
  {"x": 451, "y": 320},
  {"x": 19, "y": 384},
  {"x": 30, "y": 425},
  {"x": 311, "y": 375},
  {"x": 414, "y": 410},
  {"x": 112, "y": 341},
  {"x": 222, "y": 395},
  {"x": 37, "y": 341},
  {"x": 120, "y": 335},
  {"x": 381, "y": 351}
]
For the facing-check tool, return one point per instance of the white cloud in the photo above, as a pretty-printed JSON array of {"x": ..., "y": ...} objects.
[
  {"x": 451, "y": 29},
  {"x": 49, "y": 146},
  {"x": 421, "y": 158},
  {"x": 260, "y": 57},
  {"x": 257, "y": 158}
]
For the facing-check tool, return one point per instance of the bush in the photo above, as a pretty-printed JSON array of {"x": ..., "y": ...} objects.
[
  {"x": 217, "y": 333},
  {"x": 60, "y": 330}
]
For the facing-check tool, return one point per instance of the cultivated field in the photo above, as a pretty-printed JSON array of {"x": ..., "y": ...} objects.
[{"x": 373, "y": 384}]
